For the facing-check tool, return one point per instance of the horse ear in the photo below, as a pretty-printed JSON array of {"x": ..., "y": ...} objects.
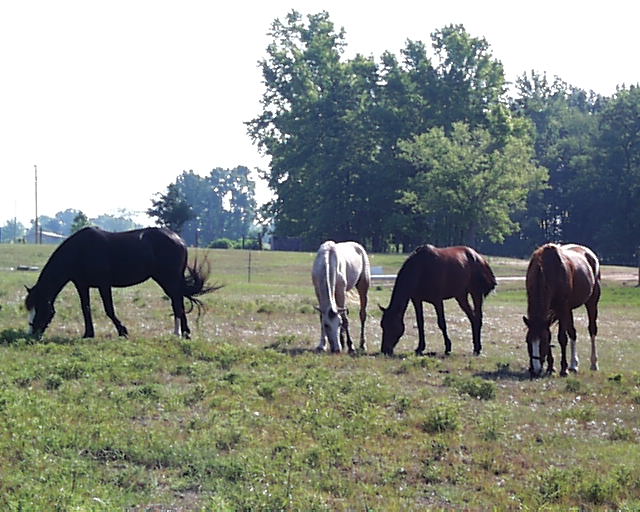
[
  {"x": 381, "y": 308},
  {"x": 525, "y": 320}
]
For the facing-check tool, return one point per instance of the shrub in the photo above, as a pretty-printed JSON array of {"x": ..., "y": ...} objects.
[
  {"x": 444, "y": 417},
  {"x": 472, "y": 386},
  {"x": 223, "y": 243}
]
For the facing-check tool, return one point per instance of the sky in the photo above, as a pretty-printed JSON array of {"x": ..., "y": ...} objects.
[{"x": 112, "y": 100}]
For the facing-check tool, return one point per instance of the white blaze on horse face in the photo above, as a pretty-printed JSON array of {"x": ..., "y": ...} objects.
[
  {"x": 32, "y": 316},
  {"x": 536, "y": 361}
]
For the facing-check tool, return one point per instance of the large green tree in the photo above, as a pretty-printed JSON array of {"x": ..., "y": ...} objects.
[
  {"x": 331, "y": 126},
  {"x": 468, "y": 185}
]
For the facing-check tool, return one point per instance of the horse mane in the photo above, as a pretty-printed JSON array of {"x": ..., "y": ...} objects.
[{"x": 547, "y": 271}]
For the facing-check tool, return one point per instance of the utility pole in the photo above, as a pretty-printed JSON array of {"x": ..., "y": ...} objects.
[{"x": 35, "y": 234}]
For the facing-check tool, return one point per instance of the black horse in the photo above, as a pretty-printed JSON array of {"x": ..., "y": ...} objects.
[{"x": 93, "y": 258}]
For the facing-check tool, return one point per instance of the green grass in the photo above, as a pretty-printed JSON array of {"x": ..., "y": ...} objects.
[{"x": 246, "y": 416}]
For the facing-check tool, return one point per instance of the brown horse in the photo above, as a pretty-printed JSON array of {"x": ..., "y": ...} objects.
[
  {"x": 560, "y": 278},
  {"x": 432, "y": 274}
]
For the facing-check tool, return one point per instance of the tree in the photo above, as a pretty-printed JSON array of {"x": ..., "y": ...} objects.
[
  {"x": 466, "y": 186},
  {"x": 12, "y": 231},
  {"x": 614, "y": 184},
  {"x": 220, "y": 205},
  {"x": 565, "y": 120},
  {"x": 171, "y": 209},
  {"x": 79, "y": 221},
  {"x": 121, "y": 222},
  {"x": 331, "y": 126}
]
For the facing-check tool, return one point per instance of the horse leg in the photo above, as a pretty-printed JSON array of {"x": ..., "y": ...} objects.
[
  {"x": 442, "y": 323},
  {"x": 592, "y": 313},
  {"x": 363, "y": 288},
  {"x": 107, "y": 302},
  {"x": 340, "y": 297},
  {"x": 476, "y": 323},
  {"x": 573, "y": 336},
  {"x": 322, "y": 346},
  {"x": 85, "y": 304},
  {"x": 562, "y": 339},
  {"x": 180, "y": 317},
  {"x": 344, "y": 329},
  {"x": 417, "y": 305}
]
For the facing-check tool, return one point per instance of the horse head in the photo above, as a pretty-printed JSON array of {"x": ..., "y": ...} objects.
[
  {"x": 392, "y": 324},
  {"x": 538, "y": 343},
  {"x": 331, "y": 321},
  {"x": 41, "y": 311}
]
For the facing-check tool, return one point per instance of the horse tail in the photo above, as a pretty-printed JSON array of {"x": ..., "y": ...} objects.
[
  {"x": 195, "y": 284},
  {"x": 484, "y": 276}
]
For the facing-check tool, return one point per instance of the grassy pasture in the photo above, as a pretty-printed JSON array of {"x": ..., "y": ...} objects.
[{"x": 246, "y": 416}]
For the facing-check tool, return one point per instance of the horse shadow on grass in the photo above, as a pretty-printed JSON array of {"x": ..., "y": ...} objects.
[
  {"x": 291, "y": 347},
  {"x": 21, "y": 336},
  {"x": 504, "y": 372}
]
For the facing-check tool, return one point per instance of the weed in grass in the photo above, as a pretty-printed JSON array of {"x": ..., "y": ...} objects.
[
  {"x": 444, "y": 416},
  {"x": 492, "y": 424},
  {"x": 572, "y": 385},
  {"x": 53, "y": 382},
  {"x": 621, "y": 432},
  {"x": 473, "y": 386}
]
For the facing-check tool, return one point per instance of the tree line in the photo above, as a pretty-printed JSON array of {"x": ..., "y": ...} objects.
[
  {"x": 432, "y": 146},
  {"x": 64, "y": 223}
]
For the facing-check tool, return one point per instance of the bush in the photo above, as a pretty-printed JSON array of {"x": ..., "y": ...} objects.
[
  {"x": 444, "y": 417},
  {"x": 223, "y": 243}
]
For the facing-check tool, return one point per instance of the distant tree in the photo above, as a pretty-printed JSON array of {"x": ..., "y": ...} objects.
[
  {"x": 12, "y": 231},
  {"x": 220, "y": 205},
  {"x": 79, "y": 221},
  {"x": 123, "y": 222},
  {"x": 171, "y": 209}
]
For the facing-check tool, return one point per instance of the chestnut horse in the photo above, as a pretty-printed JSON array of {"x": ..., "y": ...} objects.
[
  {"x": 93, "y": 258},
  {"x": 560, "y": 278},
  {"x": 432, "y": 274}
]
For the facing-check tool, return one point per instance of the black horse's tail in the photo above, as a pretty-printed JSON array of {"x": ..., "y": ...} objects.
[{"x": 195, "y": 284}]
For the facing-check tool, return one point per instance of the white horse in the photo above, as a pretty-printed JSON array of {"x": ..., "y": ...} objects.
[{"x": 337, "y": 269}]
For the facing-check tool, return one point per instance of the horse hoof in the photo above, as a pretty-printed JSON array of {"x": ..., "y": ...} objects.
[
  {"x": 419, "y": 353},
  {"x": 477, "y": 352}
]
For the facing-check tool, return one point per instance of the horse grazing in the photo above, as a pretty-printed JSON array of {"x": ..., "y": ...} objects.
[
  {"x": 337, "y": 269},
  {"x": 560, "y": 278},
  {"x": 93, "y": 258},
  {"x": 432, "y": 274}
]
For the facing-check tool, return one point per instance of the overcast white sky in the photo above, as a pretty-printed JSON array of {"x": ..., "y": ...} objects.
[{"x": 112, "y": 100}]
